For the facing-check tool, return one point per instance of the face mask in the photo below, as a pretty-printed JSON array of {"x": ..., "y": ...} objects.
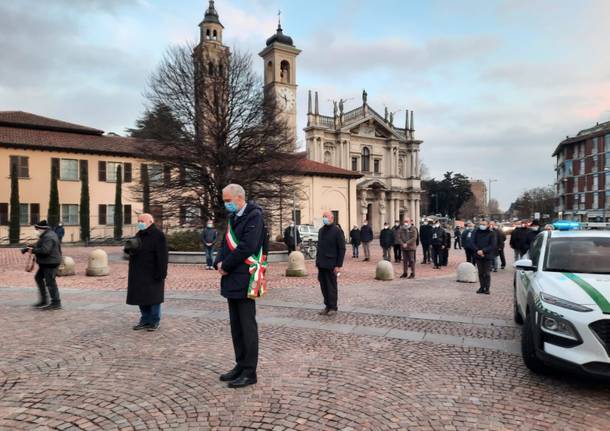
[
  {"x": 534, "y": 227},
  {"x": 209, "y": 224},
  {"x": 437, "y": 225},
  {"x": 141, "y": 226},
  {"x": 364, "y": 224},
  {"x": 483, "y": 227},
  {"x": 325, "y": 221},
  {"x": 291, "y": 224},
  {"x": 408, "y": 224},
  {"x": 385, "y": 226},
  {"x": 231, "y": 207}
]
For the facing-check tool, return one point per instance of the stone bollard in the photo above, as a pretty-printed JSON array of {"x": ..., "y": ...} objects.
[
  {"x": 98, "y": 263},
  {"x": 296, "y": 265},
  {"x": 467, "y": 273},
  {"x": 384, "y": 271},
  {"x": 67, "y": 267}
]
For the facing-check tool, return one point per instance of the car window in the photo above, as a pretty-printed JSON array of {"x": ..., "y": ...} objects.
[
  {"x": 536, "y": 249},
  {"x": 584, "y": 255}
]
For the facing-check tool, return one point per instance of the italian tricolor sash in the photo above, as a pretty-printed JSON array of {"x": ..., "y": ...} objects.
[{"x": 257, "y": 287}]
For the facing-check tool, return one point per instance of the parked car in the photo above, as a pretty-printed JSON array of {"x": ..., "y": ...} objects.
[
  {"x": 562, "y": 298},
  {"x": 308, "y": 232}
]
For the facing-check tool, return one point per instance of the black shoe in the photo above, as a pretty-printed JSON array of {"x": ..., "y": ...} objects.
[
  {"x": 231, "y": 375},
  {"x": 481, "y": 290},
  {"x": 403, "y": 276},
  {"x": 242, "y": 382},
  {"x": 324, "y": 312},
  {"x": 140, "y": 326},
  {"x": 41, "y": 303},
  {"x": 153, "y": 327},
  {"x": 412, "y": 275},
  {"x": 52, "y": 306},
  {"x": 486, "y": 292}
]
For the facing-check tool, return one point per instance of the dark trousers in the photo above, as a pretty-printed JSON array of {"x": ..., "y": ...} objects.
[
  {"x": 244, "y": 331},
  {"x": 355, "y": 248},
  {"x": 387, "y": 253},
  {"x": 437, "y": 252},
  {"x": 45, "y": 280},
  {"x": 328, "y": 285},
  {"x": 484, "y": 268},
  {"x": 470, "y": 256},
  {"x": 397, "y": 253},
  {"x": 209, "y": 254},
  {"x": 408, "y": 261},
  {"x": 502, "y": 258},
  {"x": 151, "y": 314},
  {"x": 457, "y": 242},
  {"x": 445, "y": 256},
  {"x": 426, "y": 253}
]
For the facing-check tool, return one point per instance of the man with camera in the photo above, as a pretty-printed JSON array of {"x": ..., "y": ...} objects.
[{"x": 48, "y": 256}]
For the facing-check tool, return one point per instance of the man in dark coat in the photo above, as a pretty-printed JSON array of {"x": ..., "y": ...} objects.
[
  {"x": 457, "y": 238},
  {"x": 468, "y": 244},
  {"x": 147, "y": 273},
  {"x": 48, "y": 256},
  {"x": 501, "y": 239},
  {"x": 426, "y": 240},
  {"x": 531, "y": 234},
  {"x": 329, "y": 260},
  {"x": 386, "y": 240},
  {"x": 366, "y": 236},
  {"x": 397, "y": 244},
  {"x": 485, "y": 242},
  {"x": 290, "y": 239},
  {"x": 209, "y": 236},
  {"x": 354, "y": 239},
  {"x": 445, "y": 253},
  {"x": 247, "y": 239},
  {"x": 438, "y": 243},
  {"x": 60, "y": 231},
  {"x": 517, "y": 239},
  {"x": 408, "y": 236}
]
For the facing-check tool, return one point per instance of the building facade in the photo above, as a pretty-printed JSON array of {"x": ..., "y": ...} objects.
[
  {"x": 479, "y": 192},
  {"x": 583, "y": 181},
  {"x": 386, "y": 156}
]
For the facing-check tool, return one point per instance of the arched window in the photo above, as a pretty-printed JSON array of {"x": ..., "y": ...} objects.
[
  {"x": 328, "y": 157},
  {"x": 366, "y": 159},
  {"x": 285, "y": 72},
  {"x": 207, "y": 34},
  {"x": 215, "y": 35},
  {"x": 401, "y": 168}
]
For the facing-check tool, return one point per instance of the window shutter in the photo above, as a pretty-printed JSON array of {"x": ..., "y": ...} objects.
[
  {"x": 127, "y": 173},
  {"x": 34, "y": 213},
  {"x": 101, "y": 169},
  {"x": 84, "y": 168},
  {"x": 102, "y": 214},
  {"x": 3, "y": 214},
  {"x": 126, "y": 214}
]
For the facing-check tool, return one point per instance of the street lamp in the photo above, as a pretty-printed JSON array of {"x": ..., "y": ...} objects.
[{"x": 490, "y": 180}]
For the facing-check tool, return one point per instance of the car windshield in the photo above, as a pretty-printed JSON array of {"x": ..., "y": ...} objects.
[{"x": 587, "y": 255}]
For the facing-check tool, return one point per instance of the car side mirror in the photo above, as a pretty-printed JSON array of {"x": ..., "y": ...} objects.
[{"x": 525, "y": 265}]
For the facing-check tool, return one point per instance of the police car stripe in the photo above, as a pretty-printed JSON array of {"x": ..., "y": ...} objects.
[{"x": 599, "y": 299}]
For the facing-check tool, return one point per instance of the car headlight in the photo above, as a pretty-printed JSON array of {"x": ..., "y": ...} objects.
[
  {"x": 557, "y": 326},
  {"x": 553, "y": 300}
]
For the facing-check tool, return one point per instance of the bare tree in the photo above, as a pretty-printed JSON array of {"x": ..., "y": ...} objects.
[{"x": 227, "y": 130}]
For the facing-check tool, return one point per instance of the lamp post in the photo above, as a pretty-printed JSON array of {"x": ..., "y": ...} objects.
[{"x": 490, "y": 180}]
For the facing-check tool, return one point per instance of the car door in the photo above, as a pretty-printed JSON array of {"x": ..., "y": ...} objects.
[{"x": 526, "y": 279}]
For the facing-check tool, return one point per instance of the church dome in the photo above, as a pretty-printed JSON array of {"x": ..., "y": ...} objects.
[
  {"x": 211, "y": 15},
  {"x": 280, "y": 37}
]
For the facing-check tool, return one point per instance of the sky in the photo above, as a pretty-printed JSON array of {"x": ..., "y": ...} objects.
[{"x": 495, "y": 84}]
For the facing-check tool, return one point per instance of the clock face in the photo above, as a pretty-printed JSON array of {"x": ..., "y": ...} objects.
[{"x": 286, "y": 98}]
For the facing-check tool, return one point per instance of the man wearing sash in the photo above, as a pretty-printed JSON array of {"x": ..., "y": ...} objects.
[{"x": 242, "y": 263}]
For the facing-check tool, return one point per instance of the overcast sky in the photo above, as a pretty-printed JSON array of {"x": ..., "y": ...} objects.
[{"x": 495, "y": 85}]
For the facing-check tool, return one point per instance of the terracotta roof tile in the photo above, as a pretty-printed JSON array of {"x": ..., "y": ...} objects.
[
  {"x": 32, "y": 121},
  {"x": 309, "y": 167}
]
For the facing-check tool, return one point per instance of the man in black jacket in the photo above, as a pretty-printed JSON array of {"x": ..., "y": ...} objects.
[
  {"x": 386, "y": 240},
  {"x": 469, "y": 246},
  {"x": 457, "y": 238},
  {"x": 245, "y": 238},
  {"x": 147, "y": 273},
  {"x": 501, "y": 239},
  {"x": 425, "y": 235},
  {"x": 517, "y": 239},
  {"x": 438, "y": 243},
  {"x": 366, "y": 236},
  {"x": 445, "y": 253},
  {"x": 354, "y": 239},
  {"x": 209, "y": 236},
  {"x": 531, "y": 234},
  {"x": 397, "y": 244},
  {"x": 290, "y": 239},
  {"x": 329, "y": 260},
  {"x": 485, "y": 242},
  {"x": 48, "y": 256}
]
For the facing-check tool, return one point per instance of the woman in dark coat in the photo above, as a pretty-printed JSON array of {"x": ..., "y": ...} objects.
[{"x": 147, "y": 272}]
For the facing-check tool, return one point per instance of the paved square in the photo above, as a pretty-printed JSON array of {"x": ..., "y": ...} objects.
[{"x": 422, "y": 354}]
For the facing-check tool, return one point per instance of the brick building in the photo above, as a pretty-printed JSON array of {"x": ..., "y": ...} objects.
[{"x": 582, "y": 183}]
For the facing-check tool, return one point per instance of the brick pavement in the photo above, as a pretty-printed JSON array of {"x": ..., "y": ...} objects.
[{"x": 372, "y": 367}]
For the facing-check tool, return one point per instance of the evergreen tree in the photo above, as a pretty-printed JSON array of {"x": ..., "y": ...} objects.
[
  {"x": 145, "y": 190},
  {"x": 118, "y": 205},
  {"x": 53, "y": 213},
  {"x": 84, "y": 215},
  {"x": 14, "y": 226}
]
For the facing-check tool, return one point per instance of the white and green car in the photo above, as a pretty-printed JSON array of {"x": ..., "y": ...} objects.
[{"x": 562, "y": 298}]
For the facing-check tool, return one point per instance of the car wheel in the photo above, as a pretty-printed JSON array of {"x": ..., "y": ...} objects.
[
  {"x": 528, "y": 347},
  {"x": 517, "y": 315}
]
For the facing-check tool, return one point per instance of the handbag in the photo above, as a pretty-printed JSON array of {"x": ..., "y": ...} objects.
[{"x": 30, "y": 262}]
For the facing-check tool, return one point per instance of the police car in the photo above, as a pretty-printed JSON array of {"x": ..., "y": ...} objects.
[{"x": 562, "y": 298}]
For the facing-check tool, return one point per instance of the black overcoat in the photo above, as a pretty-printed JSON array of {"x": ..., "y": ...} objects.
[
  {"x": 148, "y": 268},
  {"x": 331, "y": 247}
]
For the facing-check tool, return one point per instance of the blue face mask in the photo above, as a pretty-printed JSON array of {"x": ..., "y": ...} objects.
[
  {"x": 141, "y": 226},
  {"x": 231, "y": 207},
  {"x": 325, "y": 221}
]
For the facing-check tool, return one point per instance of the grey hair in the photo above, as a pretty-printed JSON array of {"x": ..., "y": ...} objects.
[{"x": 235, "y": 190}]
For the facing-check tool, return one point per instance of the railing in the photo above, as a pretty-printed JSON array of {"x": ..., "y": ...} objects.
[
  {"x": 326, "y": 121},
  {"x": 354, "y": 113}
]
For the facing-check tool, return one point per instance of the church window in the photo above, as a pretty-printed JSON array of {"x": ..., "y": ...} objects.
[
  {"x": 354, "y": 163},
  {"x": 214, "y": 35},
  {"x": 376, "y": 166},
  {"x": 366, "y": 159},
  {"x": 401, "y": 168},
  {"x": 285, "y": 72},
  {"x": 207, "y": 34},
  {"x": 328, "y": 157}
]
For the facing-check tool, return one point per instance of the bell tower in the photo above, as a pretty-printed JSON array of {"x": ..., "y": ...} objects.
[{"x": 279, "y": 57}]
